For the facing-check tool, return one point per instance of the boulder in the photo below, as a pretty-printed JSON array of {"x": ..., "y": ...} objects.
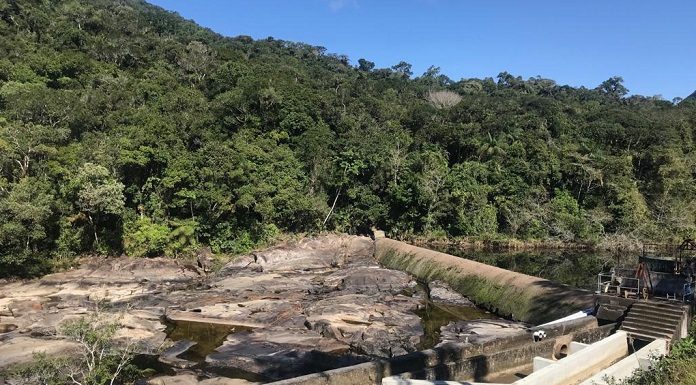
[
  {"x": 277, "y": 353},
  {"x": 380, "y": 326},
  {"x": 6, "y": 328},
  {"x": 170, "y": 355},
  {"x": 205, "y": 259}
]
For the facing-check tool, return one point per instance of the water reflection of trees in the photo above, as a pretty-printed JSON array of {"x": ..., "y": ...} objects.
[{"x": 574, "y": 268}]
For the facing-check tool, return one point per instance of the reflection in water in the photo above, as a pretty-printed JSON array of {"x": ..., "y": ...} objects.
[
  {"x": 435, "y": 315},
  {"x": 207, "y": 336},
  {"x": 570, "y": 267}
]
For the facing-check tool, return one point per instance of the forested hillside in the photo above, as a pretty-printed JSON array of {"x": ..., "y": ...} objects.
[{"x": 124, "y": 128}]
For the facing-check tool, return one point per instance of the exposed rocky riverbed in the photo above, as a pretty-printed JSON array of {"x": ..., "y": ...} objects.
[{"x": 301, "y": 307}]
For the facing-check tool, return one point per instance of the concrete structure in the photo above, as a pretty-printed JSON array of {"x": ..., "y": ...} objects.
[
  {"x": 506, "y": 293},
  {"x": 401, "y": 381},
  {"x": 642, "y": 359},
  {"x": 582, "y": 364},
  {"x": 646, "y": 320},
  {"x": 594, "y": 364},
  {"x": 463, "y": 362},
  {"x": 652, "y": 320}
]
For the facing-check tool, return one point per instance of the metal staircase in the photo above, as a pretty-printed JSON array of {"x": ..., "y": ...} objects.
[{"x": 648, "y": 321}]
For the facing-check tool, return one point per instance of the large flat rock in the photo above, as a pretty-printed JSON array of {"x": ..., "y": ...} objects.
[
  {"x": 192, "y": 379},
  {"x": 381, "y": 326},
  {"x": 276, "y": 353},
  {"x": 22, "y": 349},
  {"x": 326, "y": 252}
]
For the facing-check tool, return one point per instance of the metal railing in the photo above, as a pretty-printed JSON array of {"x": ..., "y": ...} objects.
[
  {"x": 608, "y": 283},
  {"x": 612, "y": 284}
]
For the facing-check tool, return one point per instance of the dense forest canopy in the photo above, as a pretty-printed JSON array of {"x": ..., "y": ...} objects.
[{"x": 124, "y": 128}]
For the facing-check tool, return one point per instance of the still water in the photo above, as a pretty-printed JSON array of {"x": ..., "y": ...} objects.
[{"x": 207, "y": 336}]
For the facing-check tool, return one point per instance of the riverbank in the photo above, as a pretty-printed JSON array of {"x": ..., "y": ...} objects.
[{"x": 607, "y": 243}]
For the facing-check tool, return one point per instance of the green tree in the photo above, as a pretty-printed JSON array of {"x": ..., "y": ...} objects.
[
  {"x": 98, "y": 193},
  {"x": 613, "y": 87},
  {"x": 26, "y": 212},
  {"x": 431, "y": 185}
]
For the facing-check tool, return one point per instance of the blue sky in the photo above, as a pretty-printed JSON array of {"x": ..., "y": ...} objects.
[{"x": 652, "y": 44}]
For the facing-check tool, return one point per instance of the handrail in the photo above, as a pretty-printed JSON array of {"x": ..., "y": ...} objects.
[
  {"x": 618, "y": 283},
  {"x": 607, "y": 282}
]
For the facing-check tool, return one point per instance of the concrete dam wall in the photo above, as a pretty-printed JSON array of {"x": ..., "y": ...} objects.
[{"x": 509, "y": 294}]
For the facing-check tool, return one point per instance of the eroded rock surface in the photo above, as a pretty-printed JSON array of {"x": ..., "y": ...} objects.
[
  {"x": 279, "y": 353},
  {"x": 192, "y": 379},
  {"x": 382, "y": 326},
  {"x": 313, "y": 305},
  {"x": 134, "y": 292},
  {"x": 309, "y": 305}
]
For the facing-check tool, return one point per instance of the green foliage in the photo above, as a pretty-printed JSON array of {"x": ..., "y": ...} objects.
[
  {"x": 473, "y": 214},
  {"x": 97, "y": 192},
  {"x": 144, "y": 238},
  {"x": 568, "y": 220},
  {"x": 25, "y": 221},
  {"x": 43, "y": 371},
  {"x": 112, "y": 113}
]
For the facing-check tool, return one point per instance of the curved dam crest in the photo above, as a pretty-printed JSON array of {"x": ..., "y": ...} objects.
[{"x": 509, "y": 294}]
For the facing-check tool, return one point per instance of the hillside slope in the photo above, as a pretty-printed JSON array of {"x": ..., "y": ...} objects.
[{"x": 124, "y": 127}]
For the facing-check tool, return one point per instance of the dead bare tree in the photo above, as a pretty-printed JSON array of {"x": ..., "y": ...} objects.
[{"x": 443, "y": 99}]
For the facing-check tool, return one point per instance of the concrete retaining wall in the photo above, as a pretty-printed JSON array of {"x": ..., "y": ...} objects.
[
  {"x": 643, "y": 359},
  {"x": 509, "y": 294},
  {"x": 584, "y": 363},
  {"x": 462, "y": 362}
]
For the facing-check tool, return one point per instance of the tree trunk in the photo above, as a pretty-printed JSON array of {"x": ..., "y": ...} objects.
[
  {"x": 332, "y": 207},
  {"x": 94, "y": 228}
]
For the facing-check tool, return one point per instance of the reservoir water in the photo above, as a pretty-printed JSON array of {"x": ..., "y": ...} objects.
[{"x": 577, "y": 268}]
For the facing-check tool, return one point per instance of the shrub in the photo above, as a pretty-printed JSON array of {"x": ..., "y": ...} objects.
[
  {"x": 24, "y": 264},
  {"x": 143, "y": 238},
  {"x": 229, "y": 239},
  {"x": 100, "y": 359}
]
